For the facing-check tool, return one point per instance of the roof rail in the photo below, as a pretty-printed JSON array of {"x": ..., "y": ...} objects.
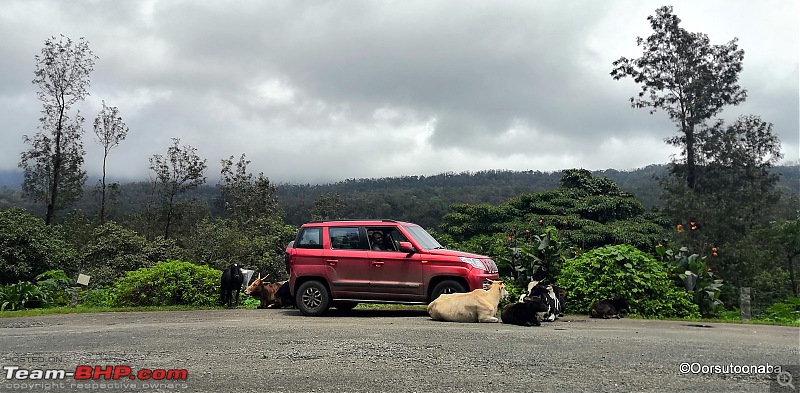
[{"x": 355, "y": 219}]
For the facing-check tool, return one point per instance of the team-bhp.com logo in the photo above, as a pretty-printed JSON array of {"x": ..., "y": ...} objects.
[{"x": 83, "y": 373}]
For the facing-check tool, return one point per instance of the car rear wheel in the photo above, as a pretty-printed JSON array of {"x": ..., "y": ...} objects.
[
  {"x": 447, "y": 286},
  {"x": 313, "y": 298}
]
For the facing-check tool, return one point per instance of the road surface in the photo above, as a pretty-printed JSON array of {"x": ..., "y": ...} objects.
[{"x": 371, "y": 350}]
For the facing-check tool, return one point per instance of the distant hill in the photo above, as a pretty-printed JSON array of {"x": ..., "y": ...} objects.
[
  {"x": 421, "y": 199},
  {"x": 11, "y": 178}
]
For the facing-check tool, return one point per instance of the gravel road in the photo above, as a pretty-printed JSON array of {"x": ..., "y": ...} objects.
[{"x": 369, "y": 350}]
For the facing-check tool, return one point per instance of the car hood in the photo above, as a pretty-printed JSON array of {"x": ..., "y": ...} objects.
[{"x": 456, "y": 253}]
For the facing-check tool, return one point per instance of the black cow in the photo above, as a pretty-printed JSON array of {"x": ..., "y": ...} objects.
[
  {"x": 609, "y": 308},
  {"x": 283, "y": 298},
  {"x": 232, "y": 279},
  {"x": 525, "y": 313}
]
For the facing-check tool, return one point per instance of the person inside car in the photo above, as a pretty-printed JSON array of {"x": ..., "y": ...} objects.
[{"x": 377, "y": 242}]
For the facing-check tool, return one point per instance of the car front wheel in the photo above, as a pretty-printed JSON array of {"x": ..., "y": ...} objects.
[
  {"x": 313, "y": 298},
  {"x": 447, "y": 286}
]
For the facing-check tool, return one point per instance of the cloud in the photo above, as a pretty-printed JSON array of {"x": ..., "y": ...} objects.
[{"x": 324, "y": 91}]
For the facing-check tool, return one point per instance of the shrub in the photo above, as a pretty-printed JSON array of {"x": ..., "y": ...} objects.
[
  {"x": 28, "y": 247},
  {"x": 786, "y": 311},
  {"x": 99, "y": 297},
  {"x": 693, "y": 272},
  {"x": 623, "y": 270},
  {"x": 168, "y": 283},
  {"x": 114, "y": 249},
  {"x": 21, "y": 295},
  {"x": 56, "y": 287}
]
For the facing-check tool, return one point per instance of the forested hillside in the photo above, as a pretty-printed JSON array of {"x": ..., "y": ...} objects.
[{"x": 421, "y": 199}]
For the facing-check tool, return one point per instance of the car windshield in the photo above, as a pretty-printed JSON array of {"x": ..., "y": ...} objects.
[{"x": 423, "y": 238}]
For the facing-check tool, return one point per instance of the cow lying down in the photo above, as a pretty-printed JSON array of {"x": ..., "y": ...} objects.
[
  {"x": 550, "y": 295},
  {"x": 270, "y": 294},
  {"x": 525, "y": 313},
  {"x": 476, "y": 306}
]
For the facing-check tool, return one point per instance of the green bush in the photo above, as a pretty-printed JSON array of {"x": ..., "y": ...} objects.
[
  {"x": 28, "y": 247},
  {"x": 99, "y": 297},
  {"x": 113, "y": 249},
  {"x": 786, "y": 311},
  {"x": 21, "y": 295},
  {"x": 169, "y": 283},
  {"x": 56, "y": 287},
  {"x": 623, "y": 270}
]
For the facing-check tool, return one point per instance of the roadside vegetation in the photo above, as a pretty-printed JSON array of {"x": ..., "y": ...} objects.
[{"x": 720, "y": 218}]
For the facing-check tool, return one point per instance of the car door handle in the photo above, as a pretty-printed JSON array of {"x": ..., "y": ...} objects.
[
  {"x": 377, "y": 263},
  {"x": 332, "y": 261}
]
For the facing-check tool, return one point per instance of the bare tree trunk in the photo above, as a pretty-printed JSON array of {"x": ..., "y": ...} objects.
[
  {"x": 792, "y": 277},
  {"x": 103, "y": 192},
  {"x": 51, "y": 207},
  {"x": 688, "y": 131}
]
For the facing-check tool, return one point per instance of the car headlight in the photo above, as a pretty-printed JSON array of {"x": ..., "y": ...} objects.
[{"x": 475, "y": 262}]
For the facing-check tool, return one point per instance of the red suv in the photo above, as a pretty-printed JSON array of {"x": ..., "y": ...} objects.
[{"x": 343, "y": 263}]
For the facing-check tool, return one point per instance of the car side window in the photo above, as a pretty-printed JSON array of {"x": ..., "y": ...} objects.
[
  {"x": 345, "y": 238},
  {"x": 310, "y": 238},
  {"x": 390, "y": 238}
]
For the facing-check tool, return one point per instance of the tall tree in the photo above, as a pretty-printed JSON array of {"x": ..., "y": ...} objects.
[
  {"x": 683, "y": 74},
  {"x": 250, "y": 200},
  {"x": 181, "y": 170},
  {"x": 52, "y": 165},
  {"x": 327, "y": 207},
  {"x": 735, "y": 186},
  {"x": 110, "y": 131}
]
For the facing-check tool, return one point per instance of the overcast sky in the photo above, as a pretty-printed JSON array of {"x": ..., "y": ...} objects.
[{"x": 319, "y": 91}]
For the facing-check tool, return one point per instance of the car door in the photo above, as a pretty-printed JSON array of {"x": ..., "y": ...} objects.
[
  {"x": 395, "y": 274},
  {"x": 347, "y": 263}
]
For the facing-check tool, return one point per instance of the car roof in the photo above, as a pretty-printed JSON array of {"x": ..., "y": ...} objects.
[{"x": 359, "y": 222}]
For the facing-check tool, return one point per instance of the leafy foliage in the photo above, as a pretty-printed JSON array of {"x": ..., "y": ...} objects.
[
  {"x": 178, "y": 172},
  {"x": 168, "y": 283},
  {"x": 20, "y": 295},
  {"x": 98, "y": 297},
  {"x": 696, "y": 276},
  {"x": 788, "y": 311},
  {"x": 534, "y": 256},
  {"x": 110, "y": 131},
  {"x": 623, "y": 270},
  {"x": 734, "y": 181},
  {"x": 28, "y": 247},
  {"x": 114, "y": 250},
  {"x": 683, "y": 74},
  {"x": 219, "y": 243},
  {"x": 52, "y": 165},
  {"x": 588, "y": 212},
  {"x": 55, "y": 287}
]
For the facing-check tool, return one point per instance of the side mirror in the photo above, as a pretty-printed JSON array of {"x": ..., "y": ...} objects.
[{"x": 407, "y": 247}]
